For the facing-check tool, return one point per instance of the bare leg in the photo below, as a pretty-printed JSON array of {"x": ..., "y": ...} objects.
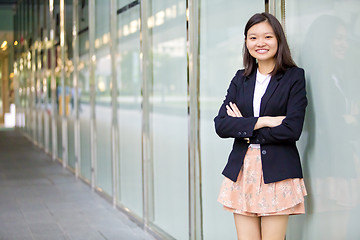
[
  {"x": 247, "y": 228},
  {"x": 274, "y": 227}
]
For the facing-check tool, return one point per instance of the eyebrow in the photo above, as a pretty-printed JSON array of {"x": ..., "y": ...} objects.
[{"x": 264, "y": 33}]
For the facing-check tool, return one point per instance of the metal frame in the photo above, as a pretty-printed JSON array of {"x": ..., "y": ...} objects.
[
  {"x": 193, "y": 52},
  {"x": 277, "y": 8},
  {"x": 53, "y": 82},
  {"x": 147, "y": 81},
  {"x": 16, "y": 92},
  {"x": 92, "y": 66},
  {"x": 33, "y": 73},
  {"x": 283, "y": 15},
  {"x": 75, "y": 46},
  {"x": 38, "y": 71},
  {"x": 272, "y": 7},
  {"x": 64, "y": 127},
  {"x": 114, "y": 122},
  {"x": 45, "y": 81}
]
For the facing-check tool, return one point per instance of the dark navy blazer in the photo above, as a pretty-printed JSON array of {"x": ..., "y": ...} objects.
[{"x": 284, "y": 96}]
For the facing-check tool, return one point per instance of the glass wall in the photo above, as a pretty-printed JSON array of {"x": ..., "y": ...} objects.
[
  {"x": 39, "y": 77},
  {"x": 222, "y": 38},
  {"x": 27, "y": 96},
  {"x": 103, "y": 95},
  {"x": 57, "y": 112},
  {"x": 84, "y": 116},
  {"x": 70, "y": 110},
  {"x": 39, "y": 11},
  {"x": 323, "y": 35},
  {"x": 22, "y": 97},
  {"x": 84, "y": 90},
  {"x": 129, "y": 106},
  {"x": 47, "y": 81},
  {"x": 71, "y": 115},
  {"x": 169, "y": 116},
  {"x": 49, "y": 111}
]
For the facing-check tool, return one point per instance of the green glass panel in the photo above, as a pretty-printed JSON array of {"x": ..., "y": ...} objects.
[
  {"x": 103, "y": 109},
  {"x": 129, "y": 110},
  {"x": 323, "y": 36},
  {"x": 84, "y": 118},
  {"x": 221, "y": 44},
  {"x": 170, "y": 117}
]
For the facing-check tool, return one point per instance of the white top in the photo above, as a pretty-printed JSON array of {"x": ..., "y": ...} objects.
[{"x": 262, "y": 82}]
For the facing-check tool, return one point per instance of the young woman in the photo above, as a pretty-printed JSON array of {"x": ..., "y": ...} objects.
[{"x": 264, "y": 112}]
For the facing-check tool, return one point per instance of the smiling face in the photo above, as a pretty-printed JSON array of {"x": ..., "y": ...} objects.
[{"x": 262, "y": 43}]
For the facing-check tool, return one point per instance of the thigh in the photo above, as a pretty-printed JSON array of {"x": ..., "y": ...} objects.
[
  {"x": 274, "y": 227},
  {"x": 247, "y": 228}
]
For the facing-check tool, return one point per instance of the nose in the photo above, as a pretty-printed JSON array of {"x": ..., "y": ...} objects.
[{"x": 260, "y": 43}]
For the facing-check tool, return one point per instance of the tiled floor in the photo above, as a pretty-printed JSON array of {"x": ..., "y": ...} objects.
[{"x": 41, "y": 200}]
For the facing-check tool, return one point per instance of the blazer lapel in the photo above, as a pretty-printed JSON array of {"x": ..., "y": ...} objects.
[
  {"x": 249, "y": 87},
  {"x": 273, "y": 84}
]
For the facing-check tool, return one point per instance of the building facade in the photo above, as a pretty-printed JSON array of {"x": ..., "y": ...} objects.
[{"x": 124, "y": 92}]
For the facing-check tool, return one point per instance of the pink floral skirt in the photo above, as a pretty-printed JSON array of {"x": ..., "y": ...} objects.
[{"x": 250, "y": 196}]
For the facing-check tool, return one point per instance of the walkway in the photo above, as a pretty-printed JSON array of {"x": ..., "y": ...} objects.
[{"x": 41, "y": 200}]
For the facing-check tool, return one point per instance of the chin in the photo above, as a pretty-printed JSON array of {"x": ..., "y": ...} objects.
[{"x": 264, "y": 58}]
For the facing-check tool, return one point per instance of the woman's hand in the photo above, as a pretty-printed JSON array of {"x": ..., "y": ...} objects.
[
  {"x": 232, "y": 110},
  {"x": 269, "y": 122},
  {"x": 274, "y": 121}
]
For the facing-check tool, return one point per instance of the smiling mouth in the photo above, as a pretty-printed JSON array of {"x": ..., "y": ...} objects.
[{"x": 262, "y": 51}]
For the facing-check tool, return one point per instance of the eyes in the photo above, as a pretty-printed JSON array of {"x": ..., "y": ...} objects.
[{"x": 266, "y": 37}]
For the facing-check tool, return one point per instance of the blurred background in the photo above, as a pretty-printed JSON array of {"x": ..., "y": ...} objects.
[{"x": 123, "y": 93}]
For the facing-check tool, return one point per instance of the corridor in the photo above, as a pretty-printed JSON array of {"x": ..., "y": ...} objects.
[{"x": 41, "y": 200}]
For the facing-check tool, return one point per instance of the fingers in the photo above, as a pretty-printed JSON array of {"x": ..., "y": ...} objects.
[
  {"x": 232, "y": 110},
  {"x": 235, "y": 109}
]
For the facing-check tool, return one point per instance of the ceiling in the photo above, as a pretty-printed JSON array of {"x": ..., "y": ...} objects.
[
  {"x": 7, "y": 2},
  {"x": 6, "y": 25}
]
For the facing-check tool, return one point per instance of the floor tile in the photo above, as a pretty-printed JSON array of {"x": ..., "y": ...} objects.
[{"x": 39, "y": 199}]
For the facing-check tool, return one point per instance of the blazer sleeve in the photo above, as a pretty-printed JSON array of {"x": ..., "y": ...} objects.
[
  {"x": 291, "y": 127},
  {"x": 233, "y": 127}
]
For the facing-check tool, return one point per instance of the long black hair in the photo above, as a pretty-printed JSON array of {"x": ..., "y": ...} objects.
[{"x": 283, "y": 59}]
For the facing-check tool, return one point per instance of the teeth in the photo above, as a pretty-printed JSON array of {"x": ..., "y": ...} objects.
[{"x": 261, "y": 51}]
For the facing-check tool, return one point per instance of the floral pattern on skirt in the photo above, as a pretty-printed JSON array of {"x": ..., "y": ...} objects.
[{"x": 250, "y": 196}]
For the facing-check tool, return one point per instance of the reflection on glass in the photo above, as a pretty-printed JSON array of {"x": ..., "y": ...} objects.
[
  {"x": 169, "y": 118},
  {"x": 69, "y": 89},
  {"x": 221, "y": 36},
  {"x": 331, "y": 143},
  {"x": 84, "y": 117},
  {"x": 103, "y": 120},
  {"x": 48, "y": 112},
  {"x": 71, "y": 114},
  {"x": 123, "y": 3},
  {"x": 129, "y": 111},
  {"x": 83, "y": 27},
  {"x": 59, "y": 109},
  {"x": 40, "y": 103},
  {"x": 103, "y": 110}
]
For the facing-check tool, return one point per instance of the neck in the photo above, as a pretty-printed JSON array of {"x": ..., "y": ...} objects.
[{"x": 266, "y": 67}]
